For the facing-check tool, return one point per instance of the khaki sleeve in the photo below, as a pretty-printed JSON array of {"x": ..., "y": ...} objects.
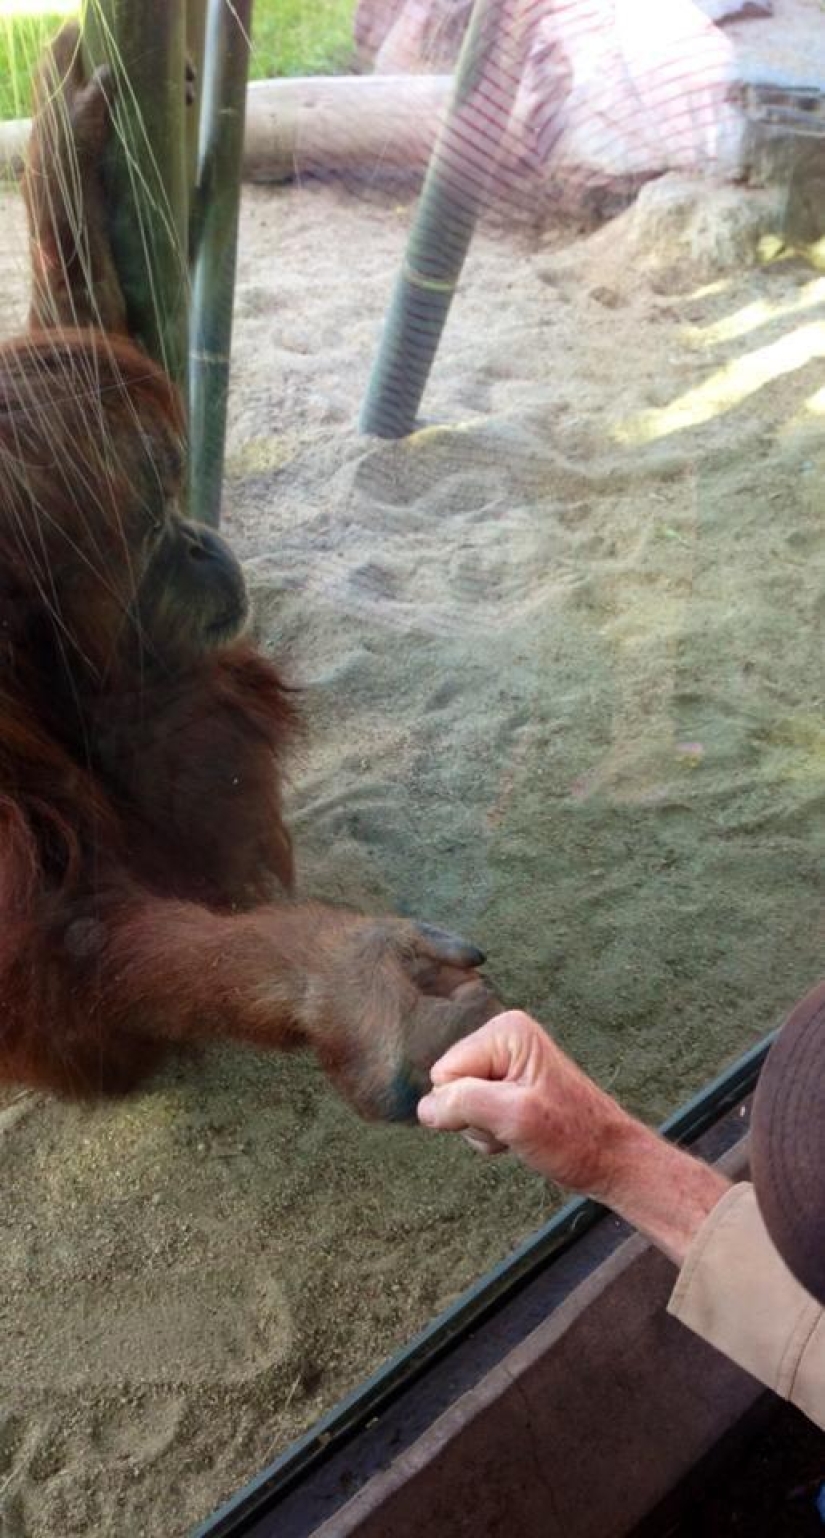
[{"x": 737, "y": 1293}]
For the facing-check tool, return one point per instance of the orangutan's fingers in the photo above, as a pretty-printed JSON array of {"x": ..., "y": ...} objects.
[{"x": 443, "y": 946}]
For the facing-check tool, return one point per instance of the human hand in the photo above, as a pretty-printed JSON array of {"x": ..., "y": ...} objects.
[{"x": 509, "y": 1086}]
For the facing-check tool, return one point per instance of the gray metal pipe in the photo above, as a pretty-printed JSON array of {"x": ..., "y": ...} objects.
[
  {"x": 214, "y": 239},
  {"x": 456, "y": 190}
]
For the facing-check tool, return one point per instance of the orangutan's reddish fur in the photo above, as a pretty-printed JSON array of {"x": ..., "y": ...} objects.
[{"x": 145, "y": 868}]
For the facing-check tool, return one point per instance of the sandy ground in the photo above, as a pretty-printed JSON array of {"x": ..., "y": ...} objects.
[{"x": 562, "y": 661}]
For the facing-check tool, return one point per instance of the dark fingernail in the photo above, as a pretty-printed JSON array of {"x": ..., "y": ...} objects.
[{"x": 454, "y": 948}]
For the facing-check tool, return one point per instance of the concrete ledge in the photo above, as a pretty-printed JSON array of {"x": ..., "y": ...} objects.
[{"x": 583, "y": 1429}]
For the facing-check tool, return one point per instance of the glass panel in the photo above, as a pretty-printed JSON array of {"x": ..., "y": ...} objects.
[{"x": 558, "y": 654}]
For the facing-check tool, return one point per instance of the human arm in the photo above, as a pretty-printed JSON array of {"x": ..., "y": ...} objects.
[
  {"x": 735, "y": 1291},
  {"x": 510, "y": 1086},
  {"x": 513, "y": 1082}
]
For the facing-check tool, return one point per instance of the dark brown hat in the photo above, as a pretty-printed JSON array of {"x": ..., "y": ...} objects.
[{"x": 788, "y": 1142}]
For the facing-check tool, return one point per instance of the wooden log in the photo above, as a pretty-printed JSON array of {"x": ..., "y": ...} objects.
[
  {"x": 331, "y": 124},
  {"x": 328, "y": 124},
  {"x": 321, "y": 125}
]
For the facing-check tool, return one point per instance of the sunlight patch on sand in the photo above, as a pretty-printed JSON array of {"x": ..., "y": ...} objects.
[
  {"x": 762, "y": 313},
  {"x": 729, "y": 386}
]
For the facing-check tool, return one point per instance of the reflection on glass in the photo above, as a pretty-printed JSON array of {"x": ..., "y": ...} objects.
[{"x": 559, "y": 655}]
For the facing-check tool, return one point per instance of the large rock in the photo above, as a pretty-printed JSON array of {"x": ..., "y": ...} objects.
[
  {"x": 398, "y": 37},
  {"x": 681, "y": 232},
  {"x": 684, "y": 229},
  {"x": 614, "y": 93},
  {"x": 424, "y": 36},
  {"x": 729, "y": 10}
]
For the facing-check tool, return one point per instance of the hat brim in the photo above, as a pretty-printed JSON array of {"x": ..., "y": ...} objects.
[{"x": 788, "y": 1142}]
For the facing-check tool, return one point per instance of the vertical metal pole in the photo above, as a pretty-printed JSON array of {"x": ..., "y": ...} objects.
[
  {"x": 455, "y": 191},
  {"x": 143, "y": 43},
  {"x": 214, "y": 245},
  {"x": 195, "y": 49}
]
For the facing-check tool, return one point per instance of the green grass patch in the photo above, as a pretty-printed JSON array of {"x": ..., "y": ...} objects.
[
  {"x": 290, "y": 37},
  {"x": 301, "y": 37},
  {"x": 22, "y": 39}
]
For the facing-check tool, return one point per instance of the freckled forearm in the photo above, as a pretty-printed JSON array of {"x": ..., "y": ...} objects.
[
  {"x": 512, "y": 1082},
  {"x": 662, "y": 1191}
]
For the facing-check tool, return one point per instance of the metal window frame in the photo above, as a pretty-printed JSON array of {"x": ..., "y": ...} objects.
[{"x": 239, "y": 1517}]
